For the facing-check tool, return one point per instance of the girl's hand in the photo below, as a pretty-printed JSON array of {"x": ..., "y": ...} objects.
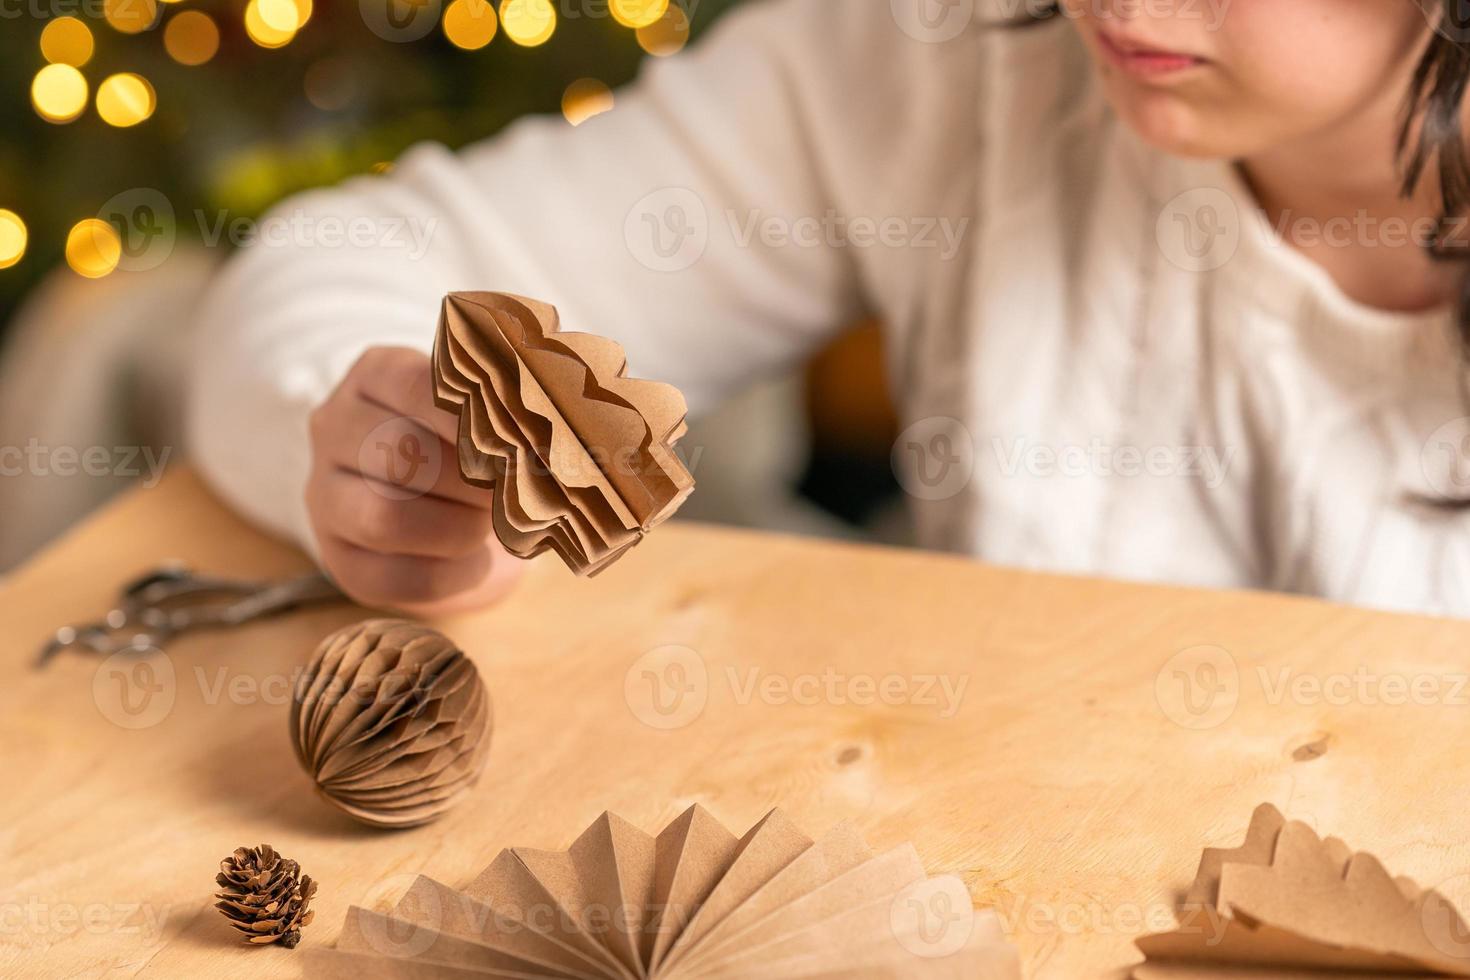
[{"x": 395, "y": 524}]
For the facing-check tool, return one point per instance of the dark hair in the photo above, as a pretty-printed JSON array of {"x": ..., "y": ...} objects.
[{"x": 1431, "y": 134}]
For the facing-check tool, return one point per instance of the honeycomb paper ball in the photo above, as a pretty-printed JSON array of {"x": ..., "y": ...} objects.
[{"x": 392, "y": 722}]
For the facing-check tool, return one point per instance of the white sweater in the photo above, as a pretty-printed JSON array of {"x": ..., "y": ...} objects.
[{"x": 1111, "y": 364}]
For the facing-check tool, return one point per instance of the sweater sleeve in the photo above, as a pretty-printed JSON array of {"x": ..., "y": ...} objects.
[{"x": 649, "y": 224}]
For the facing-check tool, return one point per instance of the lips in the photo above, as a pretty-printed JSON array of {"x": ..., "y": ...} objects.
[{"x": 1144, "y": 60}]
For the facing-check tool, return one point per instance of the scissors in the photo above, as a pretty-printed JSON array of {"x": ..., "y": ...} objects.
[{"x": 155, "y": 608}]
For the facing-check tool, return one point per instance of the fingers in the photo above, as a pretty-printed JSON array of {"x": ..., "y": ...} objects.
[
  {"x": 400, "y": 581},
  {"x": 374, "y": 516},
  {"x": 397, "y": 444},
  {"x": 401, "y": 381},
  {"x": 396, "y": 525}
]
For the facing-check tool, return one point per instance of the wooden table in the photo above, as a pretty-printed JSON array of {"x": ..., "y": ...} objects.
[{"x": 1063, "y": 772}]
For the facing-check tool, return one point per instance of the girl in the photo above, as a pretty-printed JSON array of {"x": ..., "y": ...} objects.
[{"x": 1162, "y": 282}]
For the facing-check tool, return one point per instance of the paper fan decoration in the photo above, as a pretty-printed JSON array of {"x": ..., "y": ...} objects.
[
  {"x": 580, "y": 457},
  {"x": 1287, "y": 903},
  {"x": 693, "y": 902}
]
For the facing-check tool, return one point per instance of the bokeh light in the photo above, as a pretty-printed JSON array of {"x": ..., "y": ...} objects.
[
  {"x": 281, "y": 16},
  {"x": 191, "y": 38},
  {"x": 125, "y": 99},
  {"x": 59, "y": 93},
  {"x": 331, "y": 84},
  {"x": 528, "y": 23},
  {"x": 263, "y": 33},
  {"x": 13, "y": 238},
  {"x": 638, "y": 13},
  {"x": 67, "y": 41},
  {"x": 93, "y": 248},
  {"x": 130, "y": 16},
  {"x": 667, "y": 35},
  {"x": 470, "y": 24},
  {"x": 585, "y": 98}
]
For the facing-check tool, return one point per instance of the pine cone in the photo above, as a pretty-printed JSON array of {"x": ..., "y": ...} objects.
[{"x": 264, "y": 895}]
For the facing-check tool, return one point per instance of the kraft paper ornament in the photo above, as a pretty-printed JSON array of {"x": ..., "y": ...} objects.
[
  {"x": 392, "y": 721},
  {"x": 1287, "y": 903},
  {"x": 264, "y": 896},
  {"x": 580, "y": 456},
  {"x": 695, "y": 901}
]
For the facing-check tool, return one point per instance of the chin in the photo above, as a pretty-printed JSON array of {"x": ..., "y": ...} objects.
[{"x": 1170, "y": 123}]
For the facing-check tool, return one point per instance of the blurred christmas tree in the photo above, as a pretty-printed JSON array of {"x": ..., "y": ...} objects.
[{"x": 225, "y": 106}]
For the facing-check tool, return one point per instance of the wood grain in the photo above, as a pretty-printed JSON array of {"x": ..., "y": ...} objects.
[{"x": 1059, "y": 776}]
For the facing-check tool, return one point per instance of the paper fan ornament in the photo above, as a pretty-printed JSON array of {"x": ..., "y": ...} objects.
[
  {"x": 693, "y": 902},
  {"x": 580, "y": 457},
  {"x": 1287, "y": 903}
]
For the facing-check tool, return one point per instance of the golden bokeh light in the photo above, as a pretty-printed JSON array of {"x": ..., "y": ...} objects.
[
  {"x": 281, "y": 16},
  {"x": 638, "y": 13},
  {"x": 93, "y": 248},
  {"x": 667, "y": 35},
  {"x": 67, "y": 41},
  {"x": 130, "y": 16},
  {"x": 191, "y": 38},
  {"x": 125, "y": 99},
  {"x": 59, "y": 93},
  {"x": 470, "y": 24},
  {"x": 13, "y": 238},
  {"x": 585, "y": 98},
  {"x": 528, "y": 23},
  {"x": 263, "y": 33}
]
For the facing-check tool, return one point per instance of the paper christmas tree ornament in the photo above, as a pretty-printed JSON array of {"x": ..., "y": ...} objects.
[
  {"x": 1287, "y": 903},
  {"x": 695, "y": 901},
  {"x": 580, "y": 457}
]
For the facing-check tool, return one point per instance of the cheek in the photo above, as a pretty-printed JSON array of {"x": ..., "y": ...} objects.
[
  {"x": 1317, "y": 60},
  {"x": 1282, "y": 69}
]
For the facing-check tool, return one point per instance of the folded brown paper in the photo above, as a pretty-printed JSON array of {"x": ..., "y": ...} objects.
[
  {"x": 580, "y": 456},
  {"x": 392, "y": 722},
  {"x": 695, "y": 901},
  {"x": 1286, "y": 901}
]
